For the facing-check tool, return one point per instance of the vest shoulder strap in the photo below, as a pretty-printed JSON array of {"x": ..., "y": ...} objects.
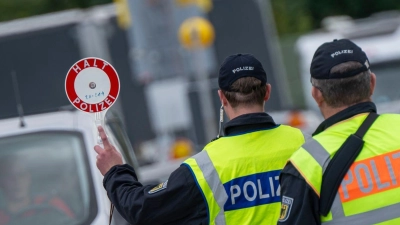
[{"x": 340, "y": 164}]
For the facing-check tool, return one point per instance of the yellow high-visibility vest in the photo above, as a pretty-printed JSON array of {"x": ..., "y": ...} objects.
[
  {"x": 370, "y": 191},
  {"x": 239, "y": 175}
]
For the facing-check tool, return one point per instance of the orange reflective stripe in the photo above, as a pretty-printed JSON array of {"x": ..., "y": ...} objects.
[{"x": 370, "y": 176}]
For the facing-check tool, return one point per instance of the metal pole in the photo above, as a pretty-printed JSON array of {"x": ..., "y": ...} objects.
[
  {"x": 279, "y": 71},
  {"x": 205, "y": 97}
]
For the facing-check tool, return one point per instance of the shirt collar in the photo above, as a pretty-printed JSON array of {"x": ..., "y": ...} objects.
[
  {"x": 345, "y": 114},
  {"x": 248, "y": 123}
]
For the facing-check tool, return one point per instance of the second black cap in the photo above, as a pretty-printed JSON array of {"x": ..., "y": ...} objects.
[{"x": 334, "y": 53}]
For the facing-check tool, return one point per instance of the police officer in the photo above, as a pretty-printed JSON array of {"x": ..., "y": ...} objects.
[
  {"x": 234, "y": 180},
  {"x": 349, "y": 171}
]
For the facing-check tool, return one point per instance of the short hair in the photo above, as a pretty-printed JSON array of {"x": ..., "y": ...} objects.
[
  {"x": 246, "y": 91},
  {"x": 345, "y": 91}
]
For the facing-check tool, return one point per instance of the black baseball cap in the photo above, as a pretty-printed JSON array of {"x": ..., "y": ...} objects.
[
  {"x": 238, "y": 66},
  {"x": 334, "y": 53}
]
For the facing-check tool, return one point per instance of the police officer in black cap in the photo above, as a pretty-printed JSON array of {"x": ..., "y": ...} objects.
[
  {"x": 234, "y": 180},
  {"x": 345, "y": 173}
]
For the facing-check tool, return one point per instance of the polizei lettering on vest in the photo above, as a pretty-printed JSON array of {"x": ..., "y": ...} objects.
[
  {"x": 371, "y": 176},
  {"x": 242, "y": 68},
  {"x": 253, "y": 190}
]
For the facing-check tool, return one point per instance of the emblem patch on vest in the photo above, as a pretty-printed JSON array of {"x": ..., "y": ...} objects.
[
  {"x": 159, "y": 187},
  {"x": 285, "y": 208}
]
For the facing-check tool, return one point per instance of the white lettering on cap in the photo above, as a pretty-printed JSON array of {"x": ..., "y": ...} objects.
[
  {"x": 242, "y": 68},
  {"x": 347, "y": 51}
]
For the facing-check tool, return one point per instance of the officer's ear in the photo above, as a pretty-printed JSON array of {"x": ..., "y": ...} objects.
[
  {"x": 317, "y": 95},
  {"x": 268, "y": 92},
  {"x": 222, "y": 98},
  {"x": 373, "y": 83}
]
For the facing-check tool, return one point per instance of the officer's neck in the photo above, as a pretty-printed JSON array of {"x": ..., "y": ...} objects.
[
  {"x": 329, "y": 111},
  {"x": 241, "y": 110}
]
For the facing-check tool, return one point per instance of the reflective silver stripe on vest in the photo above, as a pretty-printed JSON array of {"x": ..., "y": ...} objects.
[
  {"x": 212, "y": 178},
  {"x": 318, "y": 152},
  {"x": 371, "y": 217},
  {"x": 306, "y": 136},
  {"x": 337, "y": 208}
]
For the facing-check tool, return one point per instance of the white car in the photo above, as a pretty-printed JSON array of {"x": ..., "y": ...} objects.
[{"x": 48, "y": 169}]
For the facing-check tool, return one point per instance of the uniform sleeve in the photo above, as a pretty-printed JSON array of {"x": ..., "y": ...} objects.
[
  {"x": 152, "y": 204},
  {"x": 300, "y": 204}
]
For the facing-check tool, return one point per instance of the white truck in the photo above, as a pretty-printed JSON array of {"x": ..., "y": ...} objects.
[
  {"x": 48, "y": 169},
  {"x": 378, "y": 35}
]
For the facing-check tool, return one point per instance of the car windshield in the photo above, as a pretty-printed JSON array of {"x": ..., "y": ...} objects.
[
  {"x": 45, "y": 179},
  {"x": 387, "y": 82}
]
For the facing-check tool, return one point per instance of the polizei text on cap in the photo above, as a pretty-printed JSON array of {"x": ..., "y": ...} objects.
[
  {"x": 243, "y": 68},
  {"x": 347, "y": 51}
]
